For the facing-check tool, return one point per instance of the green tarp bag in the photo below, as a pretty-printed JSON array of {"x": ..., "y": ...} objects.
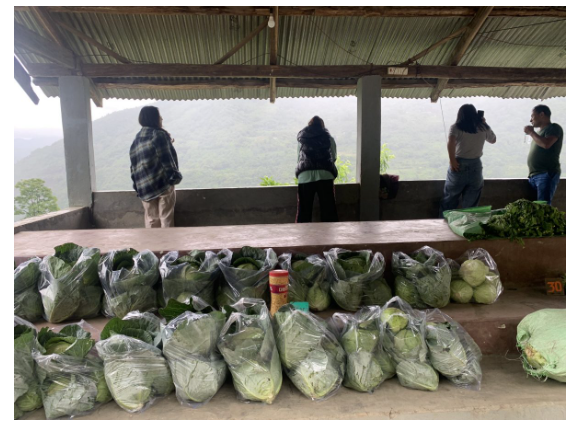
[{"x": 541, "y": 337}]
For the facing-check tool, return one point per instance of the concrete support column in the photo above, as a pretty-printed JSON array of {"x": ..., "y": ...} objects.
[
  {"x": 78, "y": 146},
  {"x": 369, "y": 145}
]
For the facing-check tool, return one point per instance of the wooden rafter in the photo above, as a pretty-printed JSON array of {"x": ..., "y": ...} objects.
[
  {"x": 462, "y": 45},
  {"x": 241, "y": 44},
  {"x": 36, "y": 44},
  {"x": 23, "y": 80},
  {"x": 435, "y": 45},
  {"x": 333, "y": 11},
  {"x": 202, "y": 84},
  {"x": 273, "y": 49},
  {"x": 299, "y": 72}
]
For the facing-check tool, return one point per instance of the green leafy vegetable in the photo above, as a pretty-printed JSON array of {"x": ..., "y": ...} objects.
[
  {"x": 460, "y": 291},
  {"x": 27, "y": 395},
  {"x": 417, "y": 375},
  {"x": 128, "y": 279},
  {"x": 27, "y": 299},
  {"x": 473, "y": 271},
  {"x": 311, "y": 355},
  {"x": 70, "y": 285}
]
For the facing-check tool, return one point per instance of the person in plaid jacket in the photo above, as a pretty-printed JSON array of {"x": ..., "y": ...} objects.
[{"x": 154, "y": 169}]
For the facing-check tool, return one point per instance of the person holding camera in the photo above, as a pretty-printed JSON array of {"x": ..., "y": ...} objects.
[{"x": 464, "y": 181}]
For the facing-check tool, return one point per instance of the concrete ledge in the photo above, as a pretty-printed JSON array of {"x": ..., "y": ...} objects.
[
  {"x": 72, "y": 218},
  {"x": 506, "y": 393}
]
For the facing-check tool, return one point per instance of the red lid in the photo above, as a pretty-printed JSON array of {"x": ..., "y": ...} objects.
[{"x": 278, "y": 273}]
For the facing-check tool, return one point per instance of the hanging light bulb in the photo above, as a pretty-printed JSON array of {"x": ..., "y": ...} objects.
[{"x": 271, "y": 22}]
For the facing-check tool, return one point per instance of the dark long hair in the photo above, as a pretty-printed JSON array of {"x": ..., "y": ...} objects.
[
  {"x": 468, "y": 120},
  {"x": 149, "y": 117},
  {"x": 317, "y": 123}
]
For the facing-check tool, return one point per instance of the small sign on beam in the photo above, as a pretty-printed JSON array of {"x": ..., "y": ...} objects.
[{"x": 398, "y": 71}]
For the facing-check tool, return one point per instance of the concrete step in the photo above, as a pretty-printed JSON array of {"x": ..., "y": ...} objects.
[{"x": 506, "y": 393}]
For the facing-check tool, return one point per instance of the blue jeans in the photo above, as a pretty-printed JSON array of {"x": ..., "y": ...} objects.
[
  {"x": 465, "y": 184},
  {"x": 545, "y": 185}
]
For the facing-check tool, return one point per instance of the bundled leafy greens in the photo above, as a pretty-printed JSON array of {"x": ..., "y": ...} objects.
[
  {"x": 70, "y": 285},
  {"x": 451, "y": 351},
  {"x": 27, "y": 395},
  {"x": 311, "y": 355},
  {"x": 428, "y": 271},
  {"x": 246, "y": 275},
  {"x": 308, "y": 279},
  {"x": 27, "y": 299},
  {"x": 70, "y": 372},
  {"x": 192, "y": 274},
  {"x": 358, "y": 278},
  {"x": 128, "y": 278},
  {"x": 248, "y": 346},
  {"x": 368, "y": 365},
  {"x": 402, "y": 330},
  {"x": 541, "y": 337},
  {"x": 190, "y": 346},
  {"x": 135, "y": 370}
]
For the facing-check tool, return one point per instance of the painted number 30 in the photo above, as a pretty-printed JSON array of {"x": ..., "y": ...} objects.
[{"x": 555, "y": 287}]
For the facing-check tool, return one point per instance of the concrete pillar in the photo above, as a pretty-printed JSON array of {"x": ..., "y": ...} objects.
[
  {"x": 369, "y": 145},
  {"x": 78, "y": 146}
]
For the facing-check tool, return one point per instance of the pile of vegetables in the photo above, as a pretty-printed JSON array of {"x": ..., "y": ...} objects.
[
  {"x": 307, "y": 279},
  {"x": 246, "y": 275},
  {"x": 357, "y": 278},
  {"x": 27, "y": 395},
  {"x": 476, "y": 279},
  {"x": 541, "y": 338},
  {"x": 128, "y": 278},
  {"x": 248, "y": 346},
  {"x": 423, "y": 278},
  {"x": 190, "y": 346},
  {"x": 402, "y": 329},
  {"x": 70, "y": 372},
  {"x": 70, "y": 285},
  {"x": 27, "y": 299},
  {"x": 136, "y": 371},
  {"x": 368, "y": 365},
  {"x": 193, "y": 274},
  {"x": 311, "y": 355}
]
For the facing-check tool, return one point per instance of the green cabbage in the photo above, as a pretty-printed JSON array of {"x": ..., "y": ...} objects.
[
  {"x": 318, "y": 297},
  {"x": 473, "y": 271},
  {"x": 27, "y": 395},
  {"x": 417, "y": 375},
  {"x": 395, "y": 319},
  {"x": 460, "y": 291},
  {"x": 27, "y": 299},
  {"x": 407, "y": 291},
  {"x": 377, "y": 292},
  {"x": 307, "y": 279},
  {"x": 486, "y": 293}
]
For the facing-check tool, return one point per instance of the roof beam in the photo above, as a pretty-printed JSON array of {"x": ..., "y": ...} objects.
[
  {"x": 434, "y": 46},
  {"x": 23, "y": 80},
  {"x": 273, "y": 48},
  {"x": 463, "y": 44},
  {"x": 202, "y": 84},
  {"x": 241, "y": 44},
  {"x": 333, "y": 11},
  {"x": 36, "y": 44}
]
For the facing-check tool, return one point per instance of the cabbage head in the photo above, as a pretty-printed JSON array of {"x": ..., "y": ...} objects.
[
  {"x": 407, "y": 291},
  {"x": 460, "y": 291},
  {"x": 486, "y": 293},
  {"x": 395, "y": 319},
  {"x": 27, "y": 395},
  {"x": 473, "y": 271},
  {"x": 377, "y": 292},
  {"x": 27, "y": 299},
  {"x": 446, "y": 352},
  {"x": 417, "y": 375},
  {"x": 408, "y": 344},
  {"x": 318, "y": 297}
]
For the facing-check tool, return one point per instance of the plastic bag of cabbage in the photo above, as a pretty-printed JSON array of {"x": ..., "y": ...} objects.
[
  {"x": 246, "y": 275},
  {"x": 27, "y": 395},
  {"x": 128, "y": 278},
  {"x": 402, "y": 329},
  {"x": 541, "y": 337},
  {"x": 475, "y": 277},
  {"x": 308, "y": 279},
  {"x": 368, "y": 365},
  {"x": 357, "y": 278},
  {"x": 192, "y": 274},
  {"x": 70, "y": 372},
  {"x": 248, "y": 346},
  {"x": 311, "y": 355},
  {"x": 190, "y": 346},
  {"x": 452, "y": 351},
  {"x": 423, "y": 278},
  {"x": 27, "y": 299},
  {"x": 70, "y": 286},
  {"x": 136, "y": 372}
]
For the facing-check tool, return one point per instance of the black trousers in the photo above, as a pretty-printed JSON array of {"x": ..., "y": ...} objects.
[{"x": 325, "y": 189}]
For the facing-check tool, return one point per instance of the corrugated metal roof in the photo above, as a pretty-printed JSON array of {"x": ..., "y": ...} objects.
[{"x": 310, "y": 40}]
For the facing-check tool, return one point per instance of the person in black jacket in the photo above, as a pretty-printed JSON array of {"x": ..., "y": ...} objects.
[{"x": 316, "y": 172}]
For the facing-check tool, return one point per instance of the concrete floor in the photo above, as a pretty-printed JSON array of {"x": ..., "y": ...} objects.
[{"x": 506, "y": 394}]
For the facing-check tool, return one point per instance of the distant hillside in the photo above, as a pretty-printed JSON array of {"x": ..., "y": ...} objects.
[
  {"x": 236, "y": 142},
  {"x": 27, "y": 141}
]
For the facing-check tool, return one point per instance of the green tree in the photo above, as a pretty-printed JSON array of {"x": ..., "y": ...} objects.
[
  {"x": 270, "y": 181},
  {"x": 343, "y": 170},
  {"x": 35, "y": 198},
  {"x": 386, "y": 156}
]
